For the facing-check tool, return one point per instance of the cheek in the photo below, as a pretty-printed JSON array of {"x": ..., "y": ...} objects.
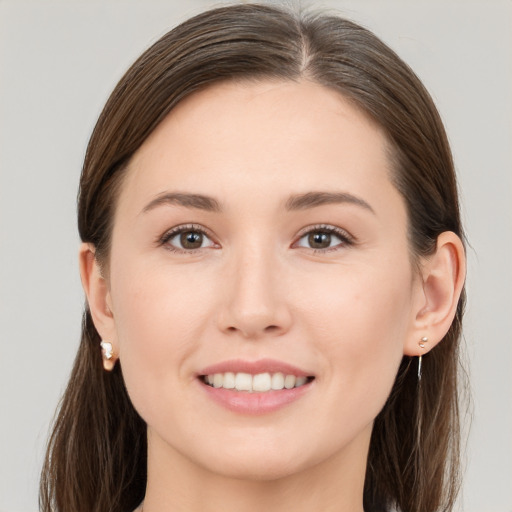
[
  {"x": 367, "y": 307},
  {"x": 360, "y": 328},
  {"x": 160, "y": 315}
]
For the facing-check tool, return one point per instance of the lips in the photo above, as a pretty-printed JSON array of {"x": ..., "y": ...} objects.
[
  {"x": 255, "y": 367},
  {"x": 255, "y": 387}
]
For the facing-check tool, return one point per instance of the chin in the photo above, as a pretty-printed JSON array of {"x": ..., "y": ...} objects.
[
  {"x": 257, "y": 469},
  {"x": 260, "y": 461}
]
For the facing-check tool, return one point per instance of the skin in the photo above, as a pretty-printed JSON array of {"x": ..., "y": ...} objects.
[{"x": 346, "y": 313}]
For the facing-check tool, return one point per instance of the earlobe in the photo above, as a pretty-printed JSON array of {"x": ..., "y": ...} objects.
[
  {"x": 443, "y": 274},
  {"x": 99, "y": 300}
]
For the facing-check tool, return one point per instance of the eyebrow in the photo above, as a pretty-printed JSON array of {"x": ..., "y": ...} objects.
[
  {"x": 187, "y": 200},
  {"x": 314, "y": 199},
  {"x": 294, "y": 202}
]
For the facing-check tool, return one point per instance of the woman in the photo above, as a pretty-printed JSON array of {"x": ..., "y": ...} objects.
[{"x": 273, "y": 262}]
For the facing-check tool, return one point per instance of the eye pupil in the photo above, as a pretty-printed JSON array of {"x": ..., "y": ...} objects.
[
  {"x": 319, "y": 240},
  {"x": 191, "y": 239}
]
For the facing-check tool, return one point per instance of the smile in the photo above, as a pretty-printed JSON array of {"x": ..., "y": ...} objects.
[
  {"x": 259, "y": 383},
  {"x": 255, "y": 387}
]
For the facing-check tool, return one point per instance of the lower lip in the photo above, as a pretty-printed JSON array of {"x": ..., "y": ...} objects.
[{"x": 255, "y": 403}]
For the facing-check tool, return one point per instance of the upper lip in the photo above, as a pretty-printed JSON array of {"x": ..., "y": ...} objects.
[{"x": 255, "y": 367}]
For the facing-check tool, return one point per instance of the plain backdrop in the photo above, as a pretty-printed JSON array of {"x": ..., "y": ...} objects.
[{"x": 58, "y": 62}]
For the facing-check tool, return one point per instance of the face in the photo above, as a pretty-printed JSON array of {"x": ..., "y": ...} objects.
[{"x": 259, "y": 243}]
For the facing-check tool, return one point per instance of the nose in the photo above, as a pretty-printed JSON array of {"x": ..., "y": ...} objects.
[{"x": 255, "y": 303}]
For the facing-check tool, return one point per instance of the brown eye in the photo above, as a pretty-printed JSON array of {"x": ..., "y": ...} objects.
[
  {"x": 324, "y": 238},
  {"x": 191, "y": 240},
  {"x": 319, "y": 240},
  {"x": 187, "y": 239}
]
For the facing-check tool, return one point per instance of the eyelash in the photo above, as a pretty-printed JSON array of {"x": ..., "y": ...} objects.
[
  {"x": 169, "y": 235},
  {"x": 346, "y": 239}
]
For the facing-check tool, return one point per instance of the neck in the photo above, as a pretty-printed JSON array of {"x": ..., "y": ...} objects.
[{"x": 177, "y": 484}]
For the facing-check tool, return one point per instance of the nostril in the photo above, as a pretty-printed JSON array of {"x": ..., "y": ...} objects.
[{"x": 268, "y": 329}]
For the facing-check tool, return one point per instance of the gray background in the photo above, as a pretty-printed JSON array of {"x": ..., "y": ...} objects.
[{"x": 59, "y": 61}]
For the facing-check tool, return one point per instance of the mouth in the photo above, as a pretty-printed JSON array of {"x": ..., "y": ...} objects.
[
  {"x": 255, "y": 383},
  {"x": 256, "y": 387}
]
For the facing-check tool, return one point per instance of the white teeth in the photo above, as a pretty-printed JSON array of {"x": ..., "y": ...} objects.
[
  {"x": 243, "y": 382},
  {"x": 289, "y": 381},
  {"x": 260, "y": 382},
  {"x": 229, "y": 381},
  {"x": 218, "y": 380},
  {"x": 277, "y": 381},
  {"x": 300, "y": 381}
]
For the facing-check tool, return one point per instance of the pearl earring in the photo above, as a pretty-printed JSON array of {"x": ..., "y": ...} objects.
[
  {"x": 109, "y": 357},
  {"x": 107, "y": 350}
]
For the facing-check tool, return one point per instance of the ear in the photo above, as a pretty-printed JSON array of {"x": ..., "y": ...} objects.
[
  {"x": 442, "y": 278},
  {"x": 98, "y": 297}
]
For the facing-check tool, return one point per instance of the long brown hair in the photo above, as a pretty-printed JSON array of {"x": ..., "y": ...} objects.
[{"x": 96, "y": 459}]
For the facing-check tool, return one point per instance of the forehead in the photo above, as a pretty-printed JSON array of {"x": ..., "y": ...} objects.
[{"x": 265, "y": 139}]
